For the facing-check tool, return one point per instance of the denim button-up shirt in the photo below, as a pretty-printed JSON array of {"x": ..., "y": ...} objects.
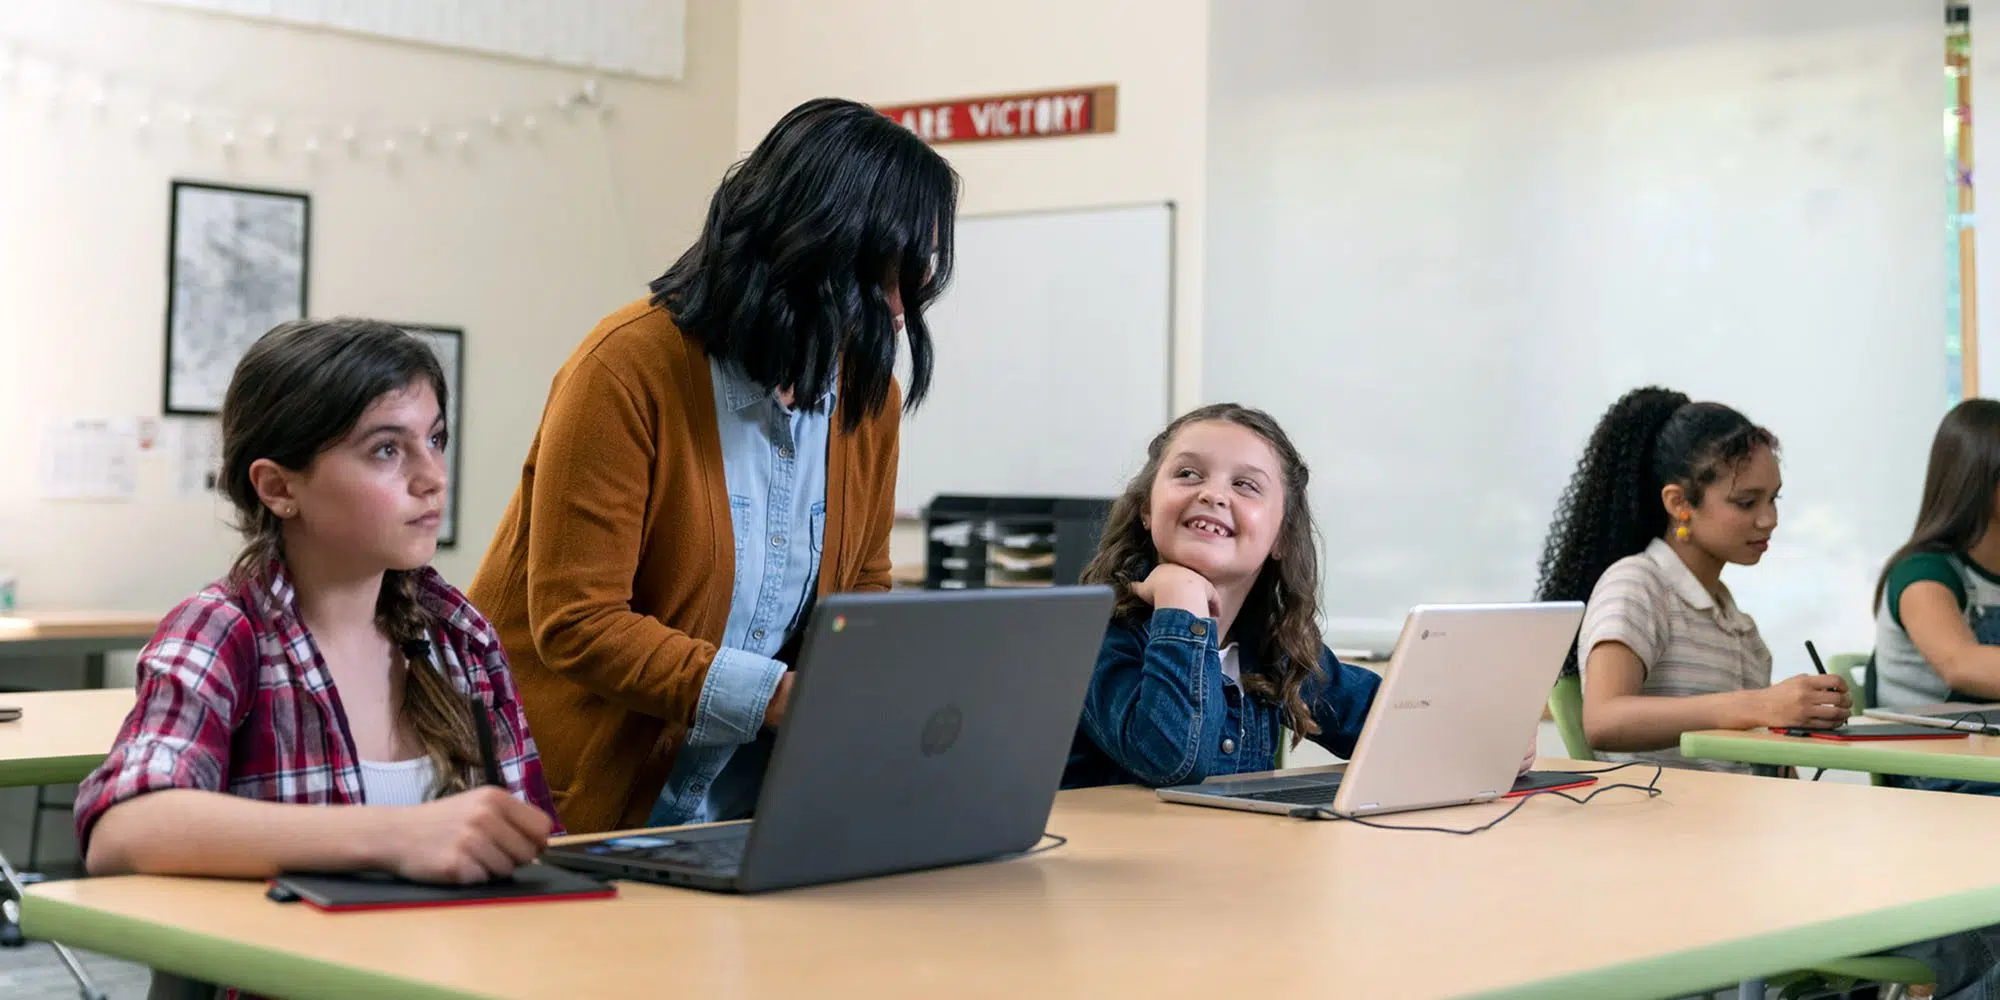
[{"x": 774, "y": 462}]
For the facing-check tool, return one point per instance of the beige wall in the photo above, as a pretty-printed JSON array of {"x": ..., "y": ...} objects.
[
  {"x": 524, "y": 244},
  {"x": 898, "y": 51}
]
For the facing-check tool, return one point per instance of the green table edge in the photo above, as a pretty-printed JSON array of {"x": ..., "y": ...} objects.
[
  {"x": 278, "y": 973},
  {"x": 1875, "y": 759},
  {"x": 31, "y": 771},
  {"x": 1720, "y": 965},
  {"x": 215, "y": 959}
]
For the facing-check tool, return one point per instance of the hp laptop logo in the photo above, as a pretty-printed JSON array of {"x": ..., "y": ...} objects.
[{"x": 941, "y": 730}]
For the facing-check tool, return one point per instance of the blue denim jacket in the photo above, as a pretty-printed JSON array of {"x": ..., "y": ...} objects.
[{"x": 1160, "y": 712}]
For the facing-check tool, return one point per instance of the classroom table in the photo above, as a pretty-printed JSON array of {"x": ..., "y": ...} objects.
[
  {"x": 61, "y": 736},
  {"x": 1624, "y": 897},
  {"x": 1971, "y": 758},
  {"x": 89, "y": 634}
]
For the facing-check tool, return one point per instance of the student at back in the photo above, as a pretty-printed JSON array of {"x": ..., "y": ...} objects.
[
  {"x": 1215, "y": 641},
  {"x": 332, "y": 667},
  {"x": 1937, "y": 602},
  {"x": 1668, "y": 492}
]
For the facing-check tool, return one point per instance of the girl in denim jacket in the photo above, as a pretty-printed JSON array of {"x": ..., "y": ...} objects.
[{"x": 1215, "y": 642}]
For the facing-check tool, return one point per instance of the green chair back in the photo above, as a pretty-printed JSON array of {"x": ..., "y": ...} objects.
[
  {"x": 1566, "y": 707},
  {"x": 1843, "y": 665}
]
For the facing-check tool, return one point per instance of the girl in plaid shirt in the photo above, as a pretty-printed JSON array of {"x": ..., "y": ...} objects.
[{"x": 332, "y": 668}]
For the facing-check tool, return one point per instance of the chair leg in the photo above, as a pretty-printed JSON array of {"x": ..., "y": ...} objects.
[
  {"x": 1894, "y": 991},
  {"x": 35, "y": 828},
  {"x": 1750, "y": 989},
  {"x": 11, "y": 894}
]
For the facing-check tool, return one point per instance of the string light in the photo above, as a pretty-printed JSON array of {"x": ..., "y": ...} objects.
[{"x": 113, "y": 97}]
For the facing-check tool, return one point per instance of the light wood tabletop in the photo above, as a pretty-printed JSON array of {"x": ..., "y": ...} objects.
[
  {"x": 1625, "y": 897},
  {"x": 61, "y": 735},
  {"x": 28, "y": 626},
  {"x": 1971, "y": 757},
  {"x": 88, "y": 634}
]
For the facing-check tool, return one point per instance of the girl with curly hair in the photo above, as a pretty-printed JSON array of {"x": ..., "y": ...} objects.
[{"x": 1668, "y": 492}]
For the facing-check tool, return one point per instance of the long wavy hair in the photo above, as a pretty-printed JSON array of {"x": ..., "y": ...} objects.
[
  {"x": 1960, "y": 486},
  {"x": 1280, "y": 618},
  {"x": 1612, "y": 506},
  {"x": 298, "y": 391},
  {"x": 785, "y": 281}
]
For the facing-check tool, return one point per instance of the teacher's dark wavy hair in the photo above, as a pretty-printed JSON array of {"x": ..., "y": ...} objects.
[{"x": 787, "y": 280}]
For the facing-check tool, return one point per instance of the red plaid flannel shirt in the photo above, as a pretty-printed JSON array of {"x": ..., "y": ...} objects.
[{"x": 234, "y": 697}]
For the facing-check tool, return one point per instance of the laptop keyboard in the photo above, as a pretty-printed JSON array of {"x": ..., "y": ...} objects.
[
  {"x": 1310, "y": 795},
  {"x": 720, "y": 854}
]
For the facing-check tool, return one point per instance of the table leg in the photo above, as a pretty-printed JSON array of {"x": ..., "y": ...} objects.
[{"x": 93, "y": 670}]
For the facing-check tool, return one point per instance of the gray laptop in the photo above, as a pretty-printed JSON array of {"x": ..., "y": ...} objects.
[{"x": 926, "y": 729}]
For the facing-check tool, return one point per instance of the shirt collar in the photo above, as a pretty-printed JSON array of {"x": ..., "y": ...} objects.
[
  {"x": 280, "y": 596},
  {"x": 739, "y": 393},
  {"x": 1689, "y": 589}
]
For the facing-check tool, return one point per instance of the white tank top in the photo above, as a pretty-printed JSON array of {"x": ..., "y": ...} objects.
[{"x": 397, "y": 782}]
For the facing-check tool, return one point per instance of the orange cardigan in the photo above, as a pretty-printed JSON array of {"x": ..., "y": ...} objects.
[{"x": 610, "y": 575}]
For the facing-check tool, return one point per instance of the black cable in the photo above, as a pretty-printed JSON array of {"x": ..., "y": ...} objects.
[
  {"x": 1651, "y": 789},
  {"x": 1983, "y": 720},
  {"x": 1057, "y": 839}
]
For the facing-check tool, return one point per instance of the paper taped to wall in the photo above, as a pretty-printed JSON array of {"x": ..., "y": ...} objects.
[{"x": 90, "y": 458}]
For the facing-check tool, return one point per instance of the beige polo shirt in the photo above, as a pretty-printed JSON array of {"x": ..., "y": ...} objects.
[{"x": 1690, "y": 641}]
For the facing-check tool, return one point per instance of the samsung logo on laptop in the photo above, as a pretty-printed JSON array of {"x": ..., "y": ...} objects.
[{"x": 1406, "y": 704}]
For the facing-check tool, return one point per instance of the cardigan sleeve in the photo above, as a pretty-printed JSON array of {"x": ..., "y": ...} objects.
[{"x": 875, "y": 566}]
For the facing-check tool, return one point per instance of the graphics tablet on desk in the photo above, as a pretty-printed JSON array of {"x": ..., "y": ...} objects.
[
  {"x": 359, "y": 891},
  {"x": 1871, "y": 734}
]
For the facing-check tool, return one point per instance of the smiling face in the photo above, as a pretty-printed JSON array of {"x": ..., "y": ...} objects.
[
  {"x": 374, "y": 499},
  {"x": 1217, "y": 502}
]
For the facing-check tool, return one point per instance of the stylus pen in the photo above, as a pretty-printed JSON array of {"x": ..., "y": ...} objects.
[
  {"x": 1814, "y": 653},
  {"x": 484, "y": 726}
]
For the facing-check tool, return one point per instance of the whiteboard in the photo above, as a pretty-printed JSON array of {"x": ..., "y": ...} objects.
[
  {"x": 636, "y": 37},
  {"x": 1053, "y": 353},
  {"x": 1437, "y": 288}
]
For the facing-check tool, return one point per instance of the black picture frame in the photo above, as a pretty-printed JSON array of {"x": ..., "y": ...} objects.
[
  {"x": 448, "y": 343},
  {"x": 222, "y": 240}
]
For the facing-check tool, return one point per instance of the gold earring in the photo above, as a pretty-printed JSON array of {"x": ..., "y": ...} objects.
[{"x": 1681, "y": 531}]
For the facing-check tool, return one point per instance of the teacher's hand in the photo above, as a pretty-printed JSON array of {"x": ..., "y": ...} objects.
[{"x": 780, "y": 703}]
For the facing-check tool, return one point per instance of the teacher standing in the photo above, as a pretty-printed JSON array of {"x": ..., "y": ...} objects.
[{"x": 710, "y": 460}]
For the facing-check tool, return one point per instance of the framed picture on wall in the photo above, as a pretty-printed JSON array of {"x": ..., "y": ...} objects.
[
  {"x": 448, "y": 343},
  {"x": 236, "y": 267}
]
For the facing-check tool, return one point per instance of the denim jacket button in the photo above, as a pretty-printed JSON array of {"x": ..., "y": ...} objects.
[
  {"x": 1228, "y": 745},
  {"x": 1199, "y": 629}
]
